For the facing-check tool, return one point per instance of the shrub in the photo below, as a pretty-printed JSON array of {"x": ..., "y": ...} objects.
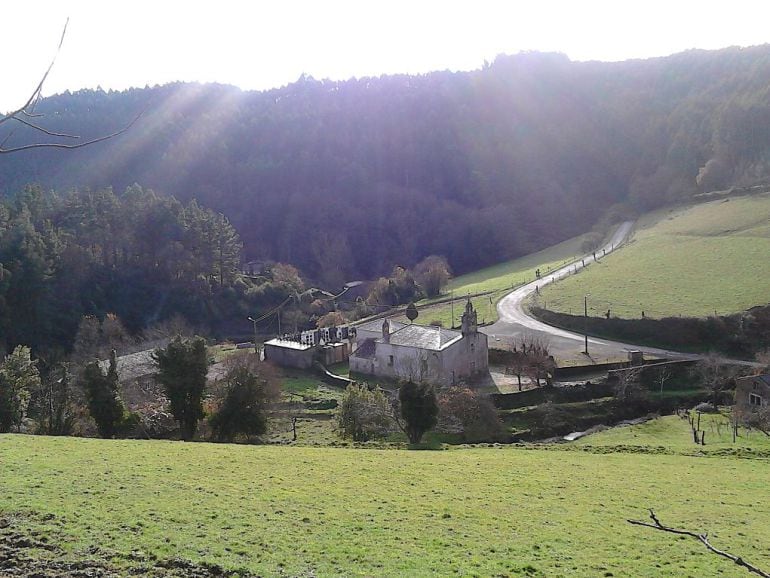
[
  {"x": 363, "y": 414},
  {"x": 250, "y": 387},
  {"x": 469, "y": 413}
]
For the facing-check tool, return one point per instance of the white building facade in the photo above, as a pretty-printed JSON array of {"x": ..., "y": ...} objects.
[{"x": 421, "y": 353}]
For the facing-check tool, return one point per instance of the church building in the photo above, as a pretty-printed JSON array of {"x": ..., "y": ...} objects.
[{"x": 421, "y": 353}]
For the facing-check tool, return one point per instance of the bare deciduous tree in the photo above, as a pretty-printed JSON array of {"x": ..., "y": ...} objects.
[
  {"x": 27, "y": 116},
  {"x": 470, "y": 414},
  {"x": 753, "y": 418},
  {"x": 432, "y": 273},
  {"x": 628, "y": 385},
  {"x": 662, "y": 375},
  {"x": 716, "y": 376},
  {"x": 534, "y": 359}
]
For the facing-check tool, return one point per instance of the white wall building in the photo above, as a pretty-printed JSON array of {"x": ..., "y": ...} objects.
[{"x": 429, "y": 354}]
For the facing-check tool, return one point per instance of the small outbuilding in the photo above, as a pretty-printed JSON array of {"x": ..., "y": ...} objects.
[
  {"x": 289, "y": 353},
  {"x": 752, "y": 392}
]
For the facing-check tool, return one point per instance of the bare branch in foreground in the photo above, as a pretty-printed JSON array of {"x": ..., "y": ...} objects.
[
  {"x": 703, "y": 538},
  {"x": 27, "y": 110},
  {"x": 71, "y": 146},
  {"x": 35, "y": 96}
]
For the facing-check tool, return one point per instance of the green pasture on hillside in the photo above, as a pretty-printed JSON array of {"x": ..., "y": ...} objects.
[
  {"x": 498, "y": 279},
  {"x": 674, "y": 433},
  {"x": 292, "y": 511},
  {"x": 693, "y": 262}
]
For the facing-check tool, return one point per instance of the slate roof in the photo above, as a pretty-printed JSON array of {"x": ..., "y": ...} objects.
[
  {"x": 376, "y": 326},
  {"x": 132, "y": 366},
  {"x": 424, "y": 337}
]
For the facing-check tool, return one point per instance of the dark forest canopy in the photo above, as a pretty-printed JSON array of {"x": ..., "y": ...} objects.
[
  {"x": 140, "y": 256},
  {"x": 346, "y": 179}
]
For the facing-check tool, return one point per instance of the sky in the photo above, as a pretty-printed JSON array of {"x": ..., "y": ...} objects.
[{"x": 258, "y": 44}]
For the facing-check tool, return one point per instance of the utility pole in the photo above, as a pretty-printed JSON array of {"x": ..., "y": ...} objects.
[
  {"x": 254, "y": 321},
  {"x": 585, "y": 328}
]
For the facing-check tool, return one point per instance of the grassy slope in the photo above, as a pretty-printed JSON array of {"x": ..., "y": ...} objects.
[
  {"x": 388, "y": 513},
  {"x": 690, "y": 262},
  {"x": 674, "y": 433},
  {"x": 500, "y": 279}
]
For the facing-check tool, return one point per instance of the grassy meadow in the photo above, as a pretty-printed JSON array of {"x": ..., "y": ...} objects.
[
  {"x": 673, "y": 433},
  {"x": 690, "y": 261},
  {"x": 498, "y": 279},
  {"x": 299, "y": 511}
]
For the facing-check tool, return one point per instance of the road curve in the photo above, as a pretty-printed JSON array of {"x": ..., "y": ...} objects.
[{"x": 515, "y": 323}]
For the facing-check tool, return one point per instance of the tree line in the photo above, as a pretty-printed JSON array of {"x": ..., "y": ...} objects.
[
  {"x": 345, "y": 180},
  {"x": 141, "y": 256},
  {"x": 68, "y": 398}
]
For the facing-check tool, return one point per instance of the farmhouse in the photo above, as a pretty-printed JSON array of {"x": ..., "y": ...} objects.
[
  {"x": 429, "y": 354},
  {"x": 328, "y": 345},
  {"x": 752, "y": 392}
]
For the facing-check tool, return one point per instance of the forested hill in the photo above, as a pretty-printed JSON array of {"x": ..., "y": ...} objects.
[{"x": 346, "y": 179}]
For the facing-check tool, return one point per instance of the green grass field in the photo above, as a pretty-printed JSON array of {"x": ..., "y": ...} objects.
[
  {"x": 292, "y": 511},
  {"x": 674, "y": 434},
  {"x": 692, "y": 261},
  {"x": 499, "y": 279}
]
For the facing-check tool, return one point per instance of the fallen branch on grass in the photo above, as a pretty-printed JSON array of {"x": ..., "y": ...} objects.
[{"x": 703, "y": 538}]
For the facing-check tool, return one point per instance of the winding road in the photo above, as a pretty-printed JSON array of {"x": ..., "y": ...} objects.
[{"x": 515, "y": 323}]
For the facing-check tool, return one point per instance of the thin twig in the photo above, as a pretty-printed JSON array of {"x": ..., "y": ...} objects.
[
  {"x": 34, "y": 97},
  {"x": 44, "y": 130},
  {"x": 71, "y": 146},
  {"x": 27, "y": 110},
  {"x": 703, "y": 538}
]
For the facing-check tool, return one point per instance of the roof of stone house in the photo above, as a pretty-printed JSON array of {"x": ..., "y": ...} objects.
[
  {"x": 133, "y": 365},
  {"x": 749, "y": 379},
  {"x": 366, "y": 349},
  {"x": 376, "y": 326},
  {"x": 424, "y": 337}
]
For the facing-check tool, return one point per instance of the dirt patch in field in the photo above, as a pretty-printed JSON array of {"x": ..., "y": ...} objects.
[{"x": 28, "y": 554}]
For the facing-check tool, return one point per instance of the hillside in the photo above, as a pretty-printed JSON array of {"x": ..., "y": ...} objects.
[
  {"x": 347, "y": 179},
  {"x": 495, "y": 282},
  {"x": 173, "y": 509},
  {"x": 691, "y": 261}
]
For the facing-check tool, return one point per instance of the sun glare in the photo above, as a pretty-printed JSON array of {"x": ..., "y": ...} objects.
[{"x": 257, "y": 45}]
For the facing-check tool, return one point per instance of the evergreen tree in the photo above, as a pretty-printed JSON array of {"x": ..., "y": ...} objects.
[
  {"x": 182, "y": 368},
  {"x": 18, "y": 378},
  {"x": 250, "y": 387},
  {"x": 104, "y": 404},
  {"x": 419, "y": 409}
]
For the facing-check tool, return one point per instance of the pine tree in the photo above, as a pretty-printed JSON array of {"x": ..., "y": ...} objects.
[
  {"x": 18, "y": 378},
  {"x": 104, "y": 404},
  {"x": 250, "y": 387},
  {"x": 182, "y": 368},
  {"x": 419, "y": 409}
]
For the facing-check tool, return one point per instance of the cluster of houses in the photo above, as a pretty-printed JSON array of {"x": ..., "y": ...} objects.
[{"x": 392, "y": 350}]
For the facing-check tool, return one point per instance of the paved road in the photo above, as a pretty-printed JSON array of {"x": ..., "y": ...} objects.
[{"x": 514, "y": 322}]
